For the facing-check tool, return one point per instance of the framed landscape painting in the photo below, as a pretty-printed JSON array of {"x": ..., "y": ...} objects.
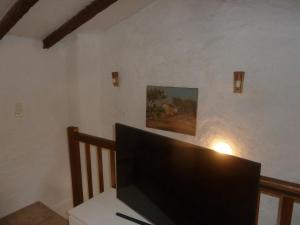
[{"x": 172, "y": 109}]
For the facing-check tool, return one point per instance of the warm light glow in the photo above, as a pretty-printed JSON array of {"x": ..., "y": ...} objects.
[{"x": 223, "y": 148}]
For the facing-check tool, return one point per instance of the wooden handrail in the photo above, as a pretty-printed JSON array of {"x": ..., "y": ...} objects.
[
  {"x": 93, "y": 140},
  {"x": 288, "y": 194},
  {"x": 280, "y": 188},
  {"x": 75, "y": 138}
]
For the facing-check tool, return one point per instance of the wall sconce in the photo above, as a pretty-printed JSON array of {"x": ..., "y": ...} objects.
[
  {"x": 238, "y": 81},
  {"x": 115, "y": 79}
]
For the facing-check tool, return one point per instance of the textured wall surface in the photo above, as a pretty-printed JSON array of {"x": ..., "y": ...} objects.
[
  {"x": 33, "y": 149},
  {"x": 199, "y": 43}
]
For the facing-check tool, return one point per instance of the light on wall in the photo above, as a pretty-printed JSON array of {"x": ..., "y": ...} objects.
[
  {"x": 115, "y": 79},
  {"x": 222, "y": 147},
  {"x": 238, "y": 81}
]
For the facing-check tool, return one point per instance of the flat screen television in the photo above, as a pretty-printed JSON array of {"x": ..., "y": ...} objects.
[{"x": 170, "y": 182}]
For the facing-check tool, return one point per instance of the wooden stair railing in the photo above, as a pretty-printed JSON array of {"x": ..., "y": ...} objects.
[
  {"x": 287, "y": 192},
  {"x": 74, "y": 138}
]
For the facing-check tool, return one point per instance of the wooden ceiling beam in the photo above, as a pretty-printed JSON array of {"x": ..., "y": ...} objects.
[
  {"x": 15, "y": 13},
  {"x": 76, "y": 21}
]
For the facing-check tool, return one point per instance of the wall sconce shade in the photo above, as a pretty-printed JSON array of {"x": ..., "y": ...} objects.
[
  {"x": 115, "y": 79},
  {"x": 238, "y": 81}
]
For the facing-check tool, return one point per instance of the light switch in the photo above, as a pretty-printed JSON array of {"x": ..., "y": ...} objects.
[{"x": 19, "y": 113}]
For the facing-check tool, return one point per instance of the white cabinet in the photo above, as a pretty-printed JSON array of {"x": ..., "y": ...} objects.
[{"x": 101, "y": 210}]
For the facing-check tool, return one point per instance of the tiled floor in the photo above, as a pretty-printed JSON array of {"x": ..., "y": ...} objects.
[{"x": 35, "y": 214}]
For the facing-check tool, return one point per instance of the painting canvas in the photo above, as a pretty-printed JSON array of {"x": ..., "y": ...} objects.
[{"x": 172, "y": 109}]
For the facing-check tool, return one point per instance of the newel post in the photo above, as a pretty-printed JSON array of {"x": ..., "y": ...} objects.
[{"x": 75, "y": 164}]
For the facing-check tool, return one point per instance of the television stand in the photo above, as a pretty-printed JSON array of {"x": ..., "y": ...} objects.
[{"x": 101, "y": 210}]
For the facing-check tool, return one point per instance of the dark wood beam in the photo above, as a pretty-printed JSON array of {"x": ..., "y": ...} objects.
[
  {"x": 79, "y": 19},
  {"x": 17, "y": 11}
]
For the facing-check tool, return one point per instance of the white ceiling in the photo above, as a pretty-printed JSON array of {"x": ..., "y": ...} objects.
[
  {"x": 47, "y": 15},
  {"x": 119, "y": 11}
]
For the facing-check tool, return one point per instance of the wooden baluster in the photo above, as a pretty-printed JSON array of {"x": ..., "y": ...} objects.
[
  {"x": 285, "y": 211},
  {"x": 75, "y": 164},
  {"x": 100, "y": 169},
  {"x": 89, "y": 169},
  {"x": 113, "y": 168}
]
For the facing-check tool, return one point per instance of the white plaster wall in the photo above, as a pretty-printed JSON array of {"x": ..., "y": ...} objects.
[
  {"x": 199, "y": 43},
  {"x": 34, "y": 161},
  {"x": 88, "y": 102}
]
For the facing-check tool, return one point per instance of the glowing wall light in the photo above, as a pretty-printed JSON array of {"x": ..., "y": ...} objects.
[{"x": 222, "y": 147}]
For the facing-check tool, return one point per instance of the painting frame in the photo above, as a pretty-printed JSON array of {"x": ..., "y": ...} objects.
[{"x": 172, "y": 109}]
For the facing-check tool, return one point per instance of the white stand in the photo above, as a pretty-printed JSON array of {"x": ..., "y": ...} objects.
[{"x": 101, "y": 210}]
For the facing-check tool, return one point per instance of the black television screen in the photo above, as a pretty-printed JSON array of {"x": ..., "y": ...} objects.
[{"x": 170, "y": 182}]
